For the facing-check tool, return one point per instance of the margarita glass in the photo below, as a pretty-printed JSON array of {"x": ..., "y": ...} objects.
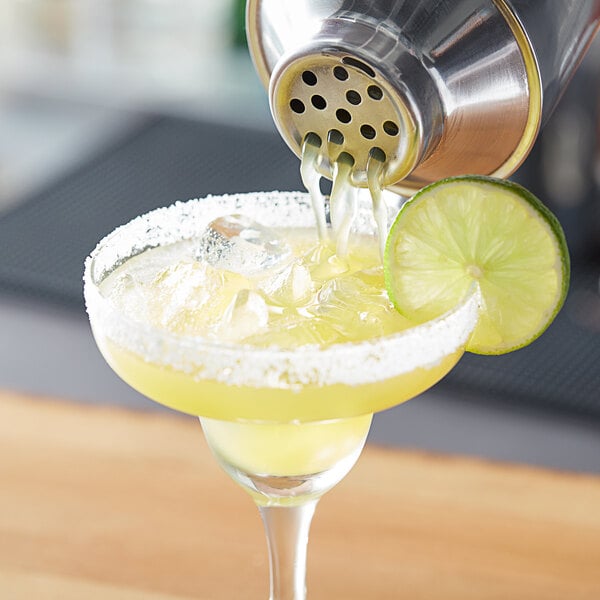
[{"x": 286, "y": 423}]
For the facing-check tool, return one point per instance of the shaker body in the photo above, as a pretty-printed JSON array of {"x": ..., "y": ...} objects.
[
  {"x": 559, "y": 33},
  {"x": 438, "y": 87}
]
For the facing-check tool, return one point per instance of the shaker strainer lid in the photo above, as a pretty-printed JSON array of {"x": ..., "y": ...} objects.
[{"x": 351, "y": 108}]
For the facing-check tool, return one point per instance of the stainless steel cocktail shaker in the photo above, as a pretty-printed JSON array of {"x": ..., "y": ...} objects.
[{"x": 435, "y": 87}]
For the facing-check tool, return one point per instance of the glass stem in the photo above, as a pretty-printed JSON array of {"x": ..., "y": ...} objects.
[{"x": 287, "y": 530}]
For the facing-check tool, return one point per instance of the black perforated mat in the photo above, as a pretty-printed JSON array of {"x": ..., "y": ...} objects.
[{"x": 43, "y": 243}]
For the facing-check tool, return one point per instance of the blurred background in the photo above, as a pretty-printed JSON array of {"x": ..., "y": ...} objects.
[{"x": 109, "y": 108}]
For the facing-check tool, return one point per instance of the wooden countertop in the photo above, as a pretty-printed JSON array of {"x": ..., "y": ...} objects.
[{"x": 102, "y": 504}]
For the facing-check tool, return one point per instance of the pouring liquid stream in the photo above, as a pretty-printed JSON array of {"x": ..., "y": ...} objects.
[{"x": 344, "y": 194}]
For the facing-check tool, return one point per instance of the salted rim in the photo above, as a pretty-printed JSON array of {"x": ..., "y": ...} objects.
[{"x": 353, "y": 363}]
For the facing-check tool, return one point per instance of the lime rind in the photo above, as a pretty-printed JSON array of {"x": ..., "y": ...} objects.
[{"x": 491, "y": 231}]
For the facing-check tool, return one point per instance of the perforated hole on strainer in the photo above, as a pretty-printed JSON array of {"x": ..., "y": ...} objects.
[{"x": 342, "y": 94}]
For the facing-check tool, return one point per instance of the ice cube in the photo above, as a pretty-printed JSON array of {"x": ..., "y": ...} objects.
[
  {"x": 293, "y": 330},
  {"x": 323, "y": 263},
  {"x": 127, "y": 295},
  {"x": 357, "y": 308},
  {"x": 293, "y": 286},
  {"x": 238, "y": 243},
  {"x": 246, "y": 315},
  {"x": 189, "y": 298}
]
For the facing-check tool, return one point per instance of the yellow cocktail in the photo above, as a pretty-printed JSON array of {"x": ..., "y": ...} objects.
[
  {"x": 283, "y": 348},
  {"x": 311, "y": 339}
]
